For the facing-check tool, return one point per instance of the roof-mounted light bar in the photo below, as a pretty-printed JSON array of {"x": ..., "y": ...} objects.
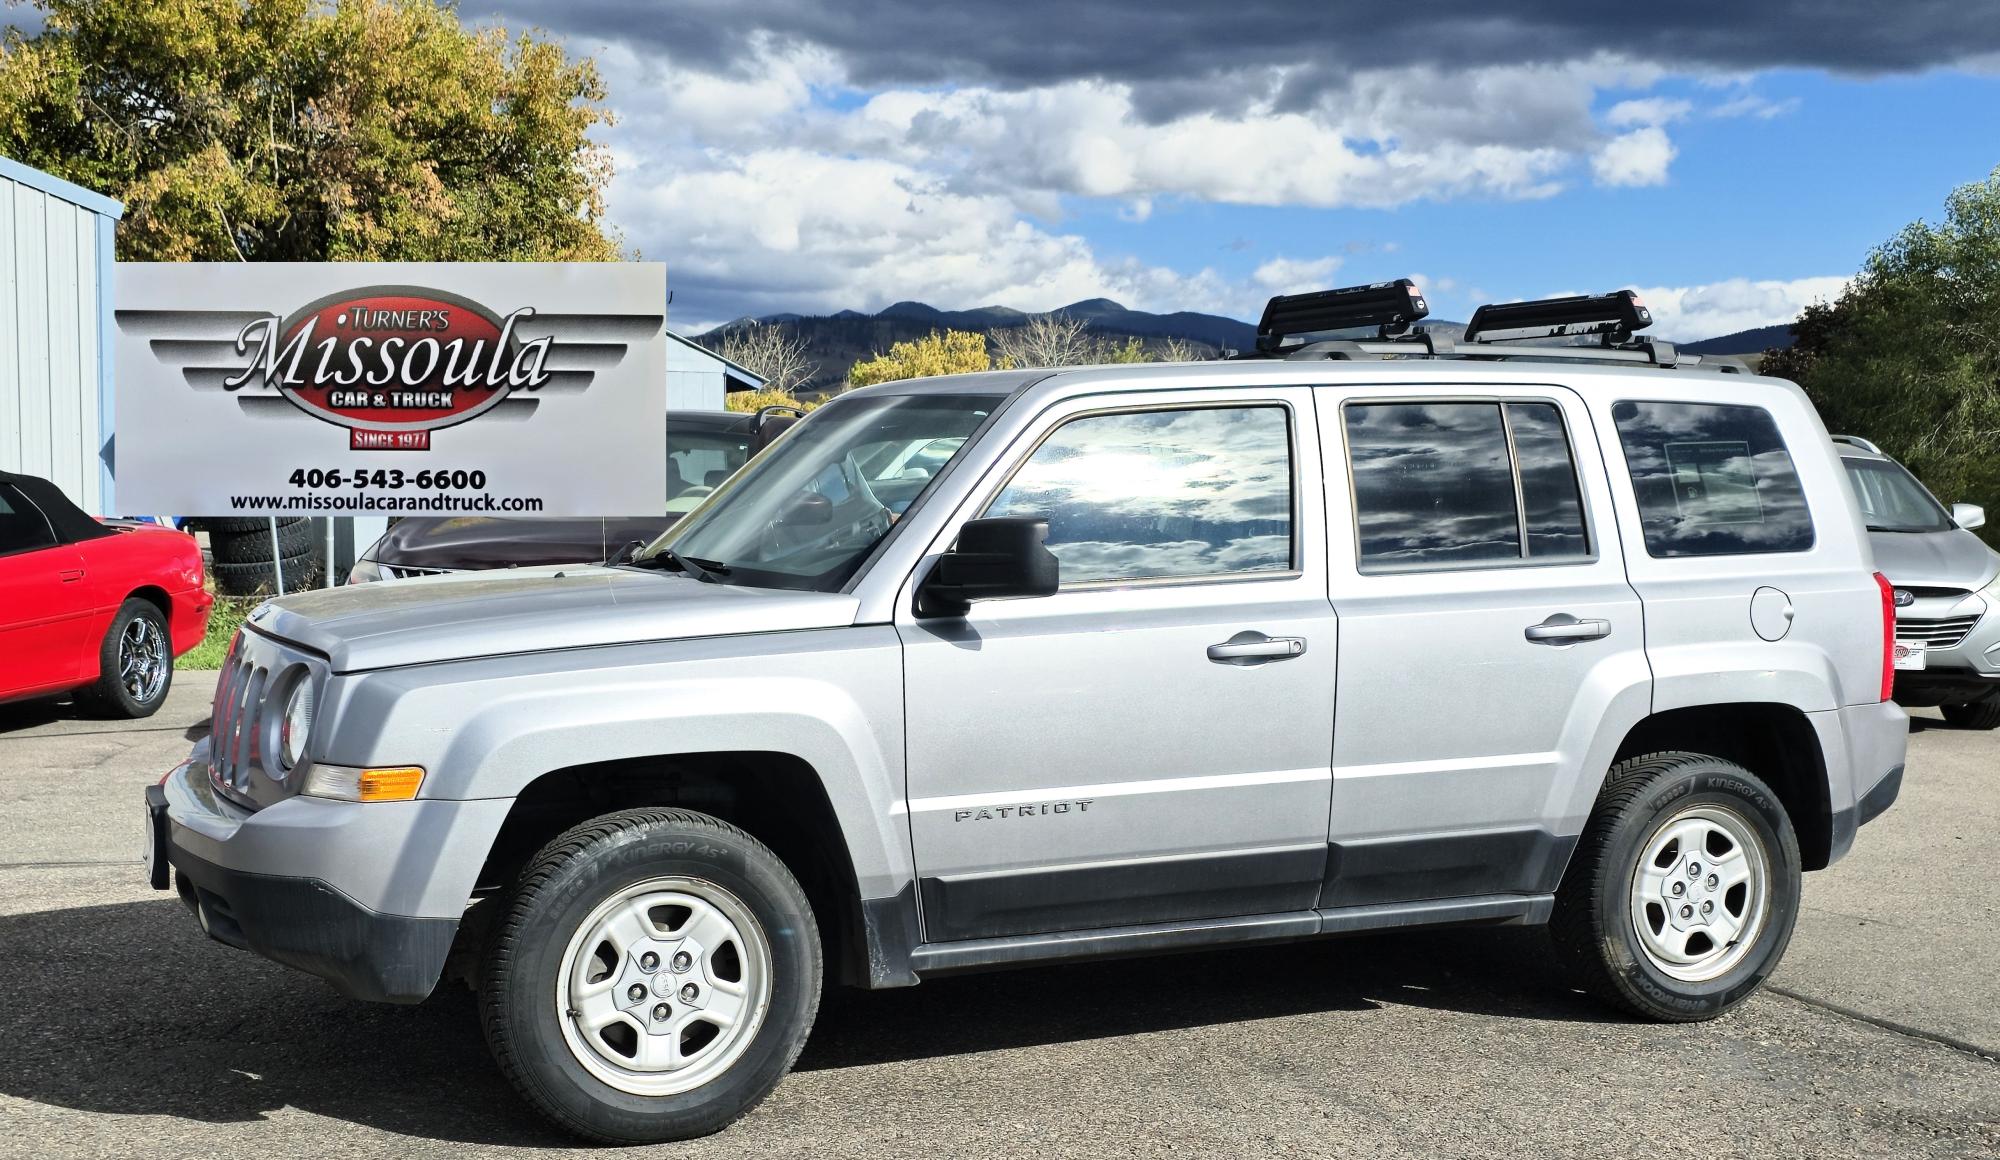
[
  {"x": 1390, "y": 307},
  {"x": 1616, "y": 315}
]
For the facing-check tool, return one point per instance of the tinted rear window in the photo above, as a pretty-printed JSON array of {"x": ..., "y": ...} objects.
[{"x": 1712, "y": 480}]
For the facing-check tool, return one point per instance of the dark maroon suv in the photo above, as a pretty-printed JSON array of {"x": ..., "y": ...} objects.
[{"x": 703, "y": 449}]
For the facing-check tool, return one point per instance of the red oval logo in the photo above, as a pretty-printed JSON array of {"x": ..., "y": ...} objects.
[{"x": 394, "y": 358}]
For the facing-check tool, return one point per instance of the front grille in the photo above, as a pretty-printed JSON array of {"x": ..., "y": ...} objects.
[
  {"x": 239, "y": 702},
  {"x": 1938, "y": 632}
]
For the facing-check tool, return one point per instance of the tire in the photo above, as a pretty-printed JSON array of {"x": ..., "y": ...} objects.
[
  {"x": 1980, "y": 714},
  {"x": 135, "y": 664},
  {"x": 251, "y": 579},
  {"x": 255, "y": 547},
  {"x": 236, "y": 525},
  {"x": 546, "y": 952},
  {"x": 1735, "y": 819}
]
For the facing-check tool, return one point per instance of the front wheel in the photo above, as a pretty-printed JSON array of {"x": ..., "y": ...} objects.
[
  {"x": 1684, "y": 888},
  {"x": 653, "y": 978},
  {"x": 1981, "y": 714}
]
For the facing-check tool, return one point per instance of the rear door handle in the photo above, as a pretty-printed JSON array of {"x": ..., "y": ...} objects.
[
  {"x": 1562, "y": 628},
  {"x": 1249, "y": 648},
  {"x": 71, "y": 575}
]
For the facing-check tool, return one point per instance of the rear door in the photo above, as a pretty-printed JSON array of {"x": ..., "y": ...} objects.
[
  {"x": 1487, "y": 630},
  {"x": 44, "y": 602},
  {"x": 1151, "y": 743}
]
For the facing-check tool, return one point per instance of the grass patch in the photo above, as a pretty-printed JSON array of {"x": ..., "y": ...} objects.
[{"x": 223, "y": 621}]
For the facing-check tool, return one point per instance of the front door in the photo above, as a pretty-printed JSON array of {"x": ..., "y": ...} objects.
[
  {"x": 44, "y": 602},
  {"x": 1151, "y": 743},
  {"x": 1486, "y": 632}
]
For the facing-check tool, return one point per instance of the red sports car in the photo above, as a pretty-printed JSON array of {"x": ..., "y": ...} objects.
[{"x": 101, "y": 609}]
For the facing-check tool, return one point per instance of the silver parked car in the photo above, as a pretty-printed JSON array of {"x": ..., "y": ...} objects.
[
  {"x": 1356, "y": 635},
  {"x": 1946, "y": 581}
]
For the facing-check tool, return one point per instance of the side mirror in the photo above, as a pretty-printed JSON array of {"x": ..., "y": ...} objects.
[
  {"x": 1968, "y": 515},
  {"x": 995, "y": 558},
  {"x": 809, "y": 510}
]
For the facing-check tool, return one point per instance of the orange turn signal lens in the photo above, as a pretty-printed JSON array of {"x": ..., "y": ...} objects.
[{"x": 396, "y": 784}]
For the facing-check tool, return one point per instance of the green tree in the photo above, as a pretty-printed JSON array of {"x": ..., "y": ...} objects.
[
  {"x": 302, "y": 130},
  {"x": 1909, "y": 356},
  {"x": 951, "y": 353}
]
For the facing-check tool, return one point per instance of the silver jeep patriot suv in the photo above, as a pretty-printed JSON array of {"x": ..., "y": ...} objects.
[{"x": 1047, "y": 664}]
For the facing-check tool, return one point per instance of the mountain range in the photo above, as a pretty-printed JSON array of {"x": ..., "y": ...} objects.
[{"x": 834, "y": 342}]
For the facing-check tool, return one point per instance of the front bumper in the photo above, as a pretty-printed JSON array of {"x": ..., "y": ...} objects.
[
  {"x": 367, "y": 897},
  {"x": 1966, "y": 669}
]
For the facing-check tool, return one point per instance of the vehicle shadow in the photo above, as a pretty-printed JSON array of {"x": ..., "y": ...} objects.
[
  {"x": 125, "y": 1010},
  {"x": 41, "y": 711}
]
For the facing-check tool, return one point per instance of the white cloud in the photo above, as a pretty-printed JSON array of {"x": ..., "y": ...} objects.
[
  {"x": 1640, "y": 157},
  {"x": 1649, "y": 111},
  {"x": 1753, "y": 105},
  {"x": 1692, "y": 313},
  {"x": 772, "y": 183},
  {"x": 1293, "y": 275}
]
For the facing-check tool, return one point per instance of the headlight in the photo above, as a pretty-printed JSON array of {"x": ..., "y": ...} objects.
[
  {"x": 364, "y": 572},
  {"x": 296, "y": 724}
]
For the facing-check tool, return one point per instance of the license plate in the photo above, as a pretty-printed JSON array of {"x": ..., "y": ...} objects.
[
  {"x": 156, "y": 837},
  {"x": 1909, "y": 654}
]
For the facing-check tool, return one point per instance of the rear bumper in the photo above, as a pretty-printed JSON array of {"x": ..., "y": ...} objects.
[
  {"x": 189, "y": 619},
  {"x": 367, "y": 897},
  {"x": 1877, "y": 738}
]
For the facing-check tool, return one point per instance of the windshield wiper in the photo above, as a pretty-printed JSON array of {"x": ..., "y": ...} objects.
[{"x": 706, "y": 571}]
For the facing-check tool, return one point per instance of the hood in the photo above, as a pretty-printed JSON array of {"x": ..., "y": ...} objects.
[
  {"x": 1948, "y": 559},
  {"x": 461, "y": 542},
  {"x": 474, "y": 614}
]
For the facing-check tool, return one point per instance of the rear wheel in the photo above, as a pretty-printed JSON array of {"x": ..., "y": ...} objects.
[
  {"x": 1684, "y": 889},
  {"x": 653, "y": 978},
  {"x": 1981, "y": 714},
  {"x": 135, "y": 663}
]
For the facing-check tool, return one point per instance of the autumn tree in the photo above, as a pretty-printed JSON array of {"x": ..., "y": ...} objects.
[
  {"x": 775, "y": 352},
  {"x": 953, "y": 352},
  {"x": 1909, "y": 355},
  {"x": 1044, "y": 340},
  {"x": 302, "y": 130}
]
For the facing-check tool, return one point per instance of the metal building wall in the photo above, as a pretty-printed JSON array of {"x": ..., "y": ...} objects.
[
  {"x": 56, "y": 247},
  {"x": 695, "y": 378}
]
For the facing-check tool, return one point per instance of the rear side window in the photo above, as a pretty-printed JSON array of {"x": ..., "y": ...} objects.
[
  {"x": 22, "y": 527},
  {"x": 1451, "y": 485},
  {"x": 1712, "y": 480}
]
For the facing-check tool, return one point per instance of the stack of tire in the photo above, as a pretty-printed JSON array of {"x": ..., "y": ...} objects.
[{"x": 240, "y": 551}]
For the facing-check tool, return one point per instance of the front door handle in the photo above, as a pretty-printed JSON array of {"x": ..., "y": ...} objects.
[
  {"x": 71, "y": 575},
  {"x": 1250, "y": 648},
  {"x": 1562, "y": 628}
]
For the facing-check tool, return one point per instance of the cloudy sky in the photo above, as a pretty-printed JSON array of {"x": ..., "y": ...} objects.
[{"x": 1734, "y": 160}]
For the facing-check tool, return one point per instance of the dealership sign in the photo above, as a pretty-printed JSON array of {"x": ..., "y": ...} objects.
[{"x": 347, "y": 388}]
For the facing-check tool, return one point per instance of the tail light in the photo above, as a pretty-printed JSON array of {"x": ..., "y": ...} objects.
[{"x": 1888, "y": 636}]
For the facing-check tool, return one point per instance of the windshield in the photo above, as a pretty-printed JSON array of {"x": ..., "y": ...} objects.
[
  {"x": 698, "y": 461},
  {"x": 1892, "y": 500},
  {"x": 805, "y": 514}
]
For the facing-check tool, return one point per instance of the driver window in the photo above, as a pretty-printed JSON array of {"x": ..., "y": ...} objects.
[{"x": 1191, "y": 493}]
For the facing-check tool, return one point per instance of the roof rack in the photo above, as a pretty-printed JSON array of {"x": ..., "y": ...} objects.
[
  {"x": 1857, "y": 441},
  {"x": 1391, "y": 307}
]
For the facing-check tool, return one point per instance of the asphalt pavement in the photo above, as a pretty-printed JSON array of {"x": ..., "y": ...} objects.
[{"x": 124, "y": 1032}]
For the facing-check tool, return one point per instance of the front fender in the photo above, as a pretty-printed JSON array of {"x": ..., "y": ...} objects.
[{"x": 488, "y": 727}]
